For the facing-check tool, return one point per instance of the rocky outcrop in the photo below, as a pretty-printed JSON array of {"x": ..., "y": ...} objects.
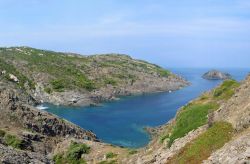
[
  {"x": 216, "y": 75},
  {"x": 237, "y": 109},
  {"x": 236, "y": 151},
  {"x": 71, "y": 79},
  {"x": 14, "y": 109},
  {"x": 9, "y": 155}
]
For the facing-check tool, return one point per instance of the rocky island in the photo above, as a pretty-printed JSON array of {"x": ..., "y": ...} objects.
[
  {"x": 73, "y": 79},
  {"x": 216, "y": 75}
]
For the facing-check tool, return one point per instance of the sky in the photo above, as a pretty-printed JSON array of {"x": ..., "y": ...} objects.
[{"x": 171, "y": 33}]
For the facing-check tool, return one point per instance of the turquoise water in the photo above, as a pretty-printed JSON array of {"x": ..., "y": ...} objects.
[{"x": 121, "y": 122}]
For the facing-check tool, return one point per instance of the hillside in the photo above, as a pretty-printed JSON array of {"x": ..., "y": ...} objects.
[
  {"x": 213, "y": 128},
  {"x": 72, "y": 79}
]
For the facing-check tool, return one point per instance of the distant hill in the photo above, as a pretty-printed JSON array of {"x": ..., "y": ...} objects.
[{"x": 73, "y": 79}]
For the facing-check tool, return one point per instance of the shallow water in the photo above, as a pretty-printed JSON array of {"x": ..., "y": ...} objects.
[{"x": 121, "y": 122}]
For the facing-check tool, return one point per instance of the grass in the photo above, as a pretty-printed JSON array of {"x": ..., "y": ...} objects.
[
  {"x": 62, "y": 72},
  {"x": 73, "y": 154},
  {"x": 108, "y": 162},
  {"x": 13, "y": 141},
  {"x": 163, "y": 73},
  {"x": 48, "y": 90},
  {"x": 111, "y": 155},
  {"x": 202, "y": 147},
  {"x": 194, "y": 115},
  {"x": 110, "y": 81},
  {"x": 132, "y": 152},
  {"x": 190, "y": 118},
  {"x": 2, "y": 133},
  {"x": 10, "y": 69},
  {"x": 226, "y": 89}
]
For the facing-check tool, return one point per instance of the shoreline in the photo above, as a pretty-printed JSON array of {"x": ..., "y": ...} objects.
[{"x": 114, "y": 98}]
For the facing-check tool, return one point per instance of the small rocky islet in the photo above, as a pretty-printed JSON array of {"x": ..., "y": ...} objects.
[
  {"x": 214, "y": 128},
  {"x": 216, "y": 75}
]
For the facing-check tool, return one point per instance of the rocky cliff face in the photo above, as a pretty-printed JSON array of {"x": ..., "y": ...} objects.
[
  {"x": 70, "y": 79},
  {"x": 237, "y": 109},
  {"x": 12, "y": 106},
  {"x": 28, "y": 135}
]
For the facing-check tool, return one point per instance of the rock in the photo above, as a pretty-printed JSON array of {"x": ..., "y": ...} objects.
[
  {"x": 3, "y": 72},
  {"x": 216, "y": 75},
  {"x": 9, "y": 155},
  {"x": 236, "y": 151},
  {"x": 13, "y": 105},
  {"x": 13, "y": 78},
  {"x": 237, "y": 109}
]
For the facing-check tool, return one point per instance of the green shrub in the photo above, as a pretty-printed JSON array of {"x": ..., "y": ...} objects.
[
  {"x": 132, "y": 152},
  {"x": 190, "y": 118},
  {"x": 48, "y": 90},
  {"x": 111, "y": 155},
  {"x": 73, "y": 154},
  {"x": 13, "y": 141},
  {"x": 202, "y": 147},
  {"x": 2, "y": 133},
  {"x": 76, "y": 150},
  {"x": 110, "y": 81},
  {"x": 58, "y": 85},
  {"x": 108, "y": 162},
  {"x": 10, "y": 69},
  {"x": 226, "y": 89},
  {"x": 58, "y": 159},
  {"x": 163, "y": 73}
]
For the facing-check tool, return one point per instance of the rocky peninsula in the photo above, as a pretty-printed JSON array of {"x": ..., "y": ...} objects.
[
  {"x": 73, "y": 79},
  {"x": 216, "y": 75}
]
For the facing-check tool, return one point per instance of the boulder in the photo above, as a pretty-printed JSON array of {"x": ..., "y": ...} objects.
[{"x": 13, "y": 78}]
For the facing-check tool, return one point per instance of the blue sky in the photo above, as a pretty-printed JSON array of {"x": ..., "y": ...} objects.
[{"x": 183, "y": 33}]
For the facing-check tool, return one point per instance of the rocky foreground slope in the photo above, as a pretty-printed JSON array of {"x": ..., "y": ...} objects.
[
  {"x": 72, "y": 79},
  {"x": 213, "y": 128}
]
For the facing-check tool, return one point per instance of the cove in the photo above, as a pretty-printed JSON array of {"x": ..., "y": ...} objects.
[{"x": 121, "y": 122}]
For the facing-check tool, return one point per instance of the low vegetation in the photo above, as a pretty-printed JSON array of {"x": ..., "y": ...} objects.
[
  {"x": 2, "y": 133},
  {"x": 10, "y": 69},
  {"x": 226, "y": 90},
  {"x": 132, "y": 151},
  {"x": 194, "y": 115},
  {"x": 11, "y": 140},
  {"x": 73, "y": 155},
  {"x": 108, "y": 162},
  {"x": 60, "y": 71},
  {"x": 190, "y": 118},
  {"x": 201, "y": 148},
  {"x": 111, "y": 155}
]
